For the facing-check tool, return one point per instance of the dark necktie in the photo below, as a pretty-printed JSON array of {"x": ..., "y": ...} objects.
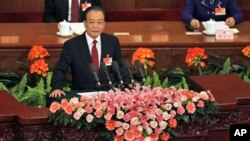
[
  {"x": 74, "y": 11},
  {"x": 94, "y": 55}
]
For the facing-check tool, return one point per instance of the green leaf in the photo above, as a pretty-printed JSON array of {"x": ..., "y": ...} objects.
[
  {"x": 226, "y": 67},
  {"x": 156, "y": 80},
  {"x": 165, "y": 83},
  {"x": 79, "y": 125},
  {"x": 48, "y": 82},
  {"x": 184, "y": 83},
  {"x": 148, "y": 81},
  {"x": 246, "y": 78},
  {"x": 185, "y": 118},
  {"x": 3, "y": 87}
]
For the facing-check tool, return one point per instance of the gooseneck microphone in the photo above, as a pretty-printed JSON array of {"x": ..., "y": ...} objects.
[
  {"x": 104, "y": 68},
  {"x": 138, "y": 67},
  {"x": 127, "y": 67},
  {"x": 115, "y": 68},
  {"x": 93, "y": 71}
]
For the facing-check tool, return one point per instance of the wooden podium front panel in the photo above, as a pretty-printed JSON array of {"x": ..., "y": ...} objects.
[{"x": 227, "y": 89}]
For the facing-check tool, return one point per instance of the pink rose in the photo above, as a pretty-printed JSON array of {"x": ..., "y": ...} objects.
[
  {"x": 77, "y": 116},
  {"x": 120, "y": 114},
  {"x": 108, "y": 116},
  {"x": 180, "y": 110},
  {"x": 125, "y": 126},
  {"x": 203, "y": 95},
  {"x": 153, "y": 124},
  {"x": 55, "y": 106},
  {"x": 158, "y": 131},
  {"x": 88, "y": 109},
  {"x": 163, "y": 125},
  {"x": 200, "y": 104},
  {"x": 158, "y": 111},
  {"x": 89, "y": 118},
  {"x": 98, "y": 114},
  {"x": 191, "y": 107},
  {"x": 212, "y": 99},
  {"x": 173, "y": 113},
  {"x": 68, "y": 109},
  {"x": 118, "y": 124},
  {"x": 119, "y": 131},
  {"x": 126, "y": 117}
]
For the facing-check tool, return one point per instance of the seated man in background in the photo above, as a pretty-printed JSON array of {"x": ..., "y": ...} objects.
[
  {"x": 79, "y": 51},
  {"x": 204, "y": 10},
  {"x": 69, "y": 10}
]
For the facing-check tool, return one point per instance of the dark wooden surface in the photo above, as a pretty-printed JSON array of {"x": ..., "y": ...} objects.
[
  {"x": 229, "y": 90},
  {"x": 167, "y": 39}
]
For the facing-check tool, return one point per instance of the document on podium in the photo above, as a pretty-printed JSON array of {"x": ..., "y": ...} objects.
[
  {"x": 218, "y": 25},
  {"x": 93, "y": 93}
]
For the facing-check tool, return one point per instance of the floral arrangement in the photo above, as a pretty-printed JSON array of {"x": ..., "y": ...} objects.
[
  {"x": 32, "y": 87},
  {"x": 145, "y": 56},
  {"x": 197, "y": 58},
  {"x": 36, "y": 57},
  {"x": 246, "y": 51},
  {"x": 135, "y": 115}
]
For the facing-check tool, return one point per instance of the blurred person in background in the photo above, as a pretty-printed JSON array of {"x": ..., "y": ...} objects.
[
  {"x": 68, "y": 10},
  {"x": 196, "y": 11}
]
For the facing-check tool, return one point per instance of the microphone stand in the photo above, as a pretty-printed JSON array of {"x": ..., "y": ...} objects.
[
  {"x": 93, "y": 71},
  {"x": 138, "y": 67},
  {"x": 115, "y": 68}
]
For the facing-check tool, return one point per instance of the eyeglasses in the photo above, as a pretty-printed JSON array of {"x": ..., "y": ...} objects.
[{"x": 92, "y": 22}]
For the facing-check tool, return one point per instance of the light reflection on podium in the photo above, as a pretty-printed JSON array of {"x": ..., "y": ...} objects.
[
  {"x": 209, "y": 39},
  {"x": 9, "y": 39},
  {"x": 159, "y": 37}
]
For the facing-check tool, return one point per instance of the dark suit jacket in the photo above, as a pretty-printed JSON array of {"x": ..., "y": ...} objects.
[
  {"x": 57, "y": 10},
  {"x": 203, "y": 11},
  {"x": 76, "y": 56}
]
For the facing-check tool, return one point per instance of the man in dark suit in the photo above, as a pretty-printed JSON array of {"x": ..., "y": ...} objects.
[
  {"x": 77, "y": 54},
  {"x": 59, "y": 10},
  {"x": 204, "y": 10}
]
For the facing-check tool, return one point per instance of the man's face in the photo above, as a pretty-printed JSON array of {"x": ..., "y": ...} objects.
[{"x": 94, "y": 23}]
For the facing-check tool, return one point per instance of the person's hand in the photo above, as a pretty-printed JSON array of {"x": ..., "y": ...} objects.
[
  {"x": 57, "y": 93},
  {"x": 230, "y": 21},
  {"x": 195, "y": 23}
]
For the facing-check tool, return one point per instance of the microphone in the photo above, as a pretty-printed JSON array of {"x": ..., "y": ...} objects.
[
  {"x": 104, "y": 68},
  {"x": 93, "y": 71},
  {"x": 138, "y": 67},
  {"x": 115, "y": 68},
  {"x": 127, "y": 67}
]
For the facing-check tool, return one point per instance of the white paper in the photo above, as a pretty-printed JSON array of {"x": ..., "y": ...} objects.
[
  {"x": 90, "y": 93},
  {"x": 218, "y": 25},
  {"x": 193, "y": 33}
]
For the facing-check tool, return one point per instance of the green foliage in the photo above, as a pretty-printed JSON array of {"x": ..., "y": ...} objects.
[
  {"x": 3, "y": 87},
  {"x": 175, "y": 77},
  {"x": 219, "y": 65},
  {"x": 19, "y": 89},
  {"x": 48, "y": 82},
  {"x": 200, "y": 115},
  {"x": 31, "y": 89},
  {"x": 34, "y": 96},
  {"x": 9, "y": 78},
  {"x": 226, "y": 67},
  {"x": 26, "y": 94}
]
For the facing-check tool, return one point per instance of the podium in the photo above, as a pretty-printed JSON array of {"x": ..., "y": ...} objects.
[{"x": 23, "y": 122}]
